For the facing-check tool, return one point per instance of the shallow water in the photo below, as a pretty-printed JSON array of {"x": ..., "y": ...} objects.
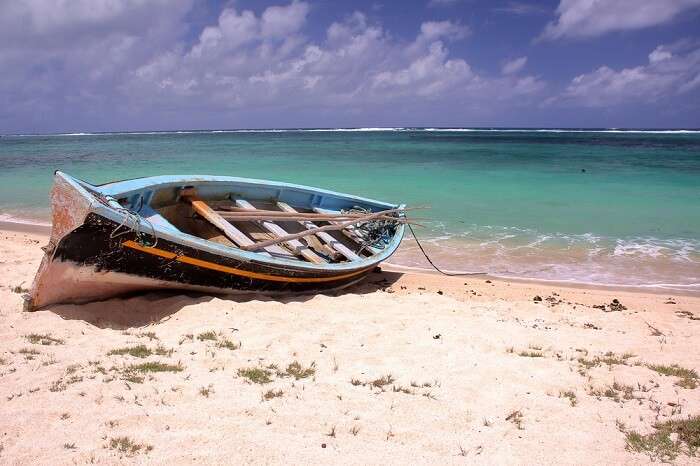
[{"x": 510, "y": 202}]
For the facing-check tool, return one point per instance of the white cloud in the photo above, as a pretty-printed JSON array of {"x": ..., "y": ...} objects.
[
  {"x": 52, "y": 23},
  {"x": 589, "y": 18},
  {"x": 659, "y": 54},
  {"x": 66, "y": 60},
  {"x": 432, "y": 30},
  {"x": 514, "y": 65},
  {"x": 427, "y": 75},
  {"x": 233, "y": 30},
  {"x": 99, "y": 68},
  {"x": 521, "y": 8},
  {"x": 358, "y": 64},
  {"x": 280, "y": 21},
  {"x": 666, "y": 75}
]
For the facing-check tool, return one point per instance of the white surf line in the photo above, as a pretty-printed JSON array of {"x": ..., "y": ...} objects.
[
  {"x": 686, "y": 287},
  {"x": 374, "y": 129}
]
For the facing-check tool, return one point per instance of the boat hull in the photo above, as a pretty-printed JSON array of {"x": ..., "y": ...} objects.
[
  {"x": 90, "y": 264},
  {"x": 99, "y": 250}
]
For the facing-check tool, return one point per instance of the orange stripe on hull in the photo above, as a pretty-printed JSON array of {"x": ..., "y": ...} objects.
[{"x": 231, "y": 270}]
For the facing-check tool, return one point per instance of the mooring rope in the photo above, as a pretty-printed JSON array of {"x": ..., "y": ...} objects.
[
  {"x": 131, "y": 221},
  {"x": 449, "y": 274},
  {"x": 377, "y": 233}
]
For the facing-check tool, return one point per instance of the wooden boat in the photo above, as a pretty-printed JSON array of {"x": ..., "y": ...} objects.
[{"x": 213, "y": 234}]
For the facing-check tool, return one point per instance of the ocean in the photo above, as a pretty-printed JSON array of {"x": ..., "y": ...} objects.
[{"x": 616, "y": 207}]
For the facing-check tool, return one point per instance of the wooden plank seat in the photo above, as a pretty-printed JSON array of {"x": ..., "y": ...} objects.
[
  {"x": 323, "y": 236},
  {"x": 234, "y": 234},
  {"x": 295, "y": 245}
]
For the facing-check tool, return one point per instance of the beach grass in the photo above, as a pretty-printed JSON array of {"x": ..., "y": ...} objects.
[
  {"x": 207, "y": 336},
  {"x": 139, "y": 351},
  {"x": 668, "y": 440},
  {"x": 296, "y": 370},
  {"x": 270, "y": 394},
  {"x": 43, "y": 339},
  {"x": 128, "y": 446},
  {"x": 256, "y": 375},
  {"x": 227, "y": 344},
  {"x": 688, "y": 377}
]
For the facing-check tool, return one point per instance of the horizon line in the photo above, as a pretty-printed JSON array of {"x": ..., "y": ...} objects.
[{"x": 368, "y": 129}]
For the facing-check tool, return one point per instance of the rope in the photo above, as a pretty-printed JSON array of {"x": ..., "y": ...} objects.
[
  {"x": 378, "y": 232},
  {"x": 131, "y": 222},
  {"x": 373, "y": 233},
  {"x": 449, "y": 274}
]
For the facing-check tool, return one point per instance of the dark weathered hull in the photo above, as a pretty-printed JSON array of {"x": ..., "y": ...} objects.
[{"x": 172, "y": 265}]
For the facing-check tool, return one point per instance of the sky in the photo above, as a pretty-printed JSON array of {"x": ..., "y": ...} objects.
[{"x": 129, "y": 65}]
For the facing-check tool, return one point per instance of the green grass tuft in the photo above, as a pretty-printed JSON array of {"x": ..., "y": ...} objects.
[
  {"x": 210, "y": 335},
  {"x": 296, "y": 370},
  {"x": 381, "y": 381},
  {"x": 688, "y": 377},
  {"x": 206, "y": 391},
  {"x": 690, "y": 384},
  {"x": 163, "y": 351},
  {"x": 256, "y": 375},
  {"x": 139, "y": 351},
  {"x": 43, "y": 339},
  {"x": 228, "y": 344},
  {"x": 674, "y": 370},
  {"x": 134, "y": 372},
  {"x": 128, "y": 446},
  {"x": 270, "y": 394},
  {"x": 400, "y": 389},
  {"x": 29, "y": 353},
  {"x": 531, "y": 354},
  {"x": 150, "y": 335},
  {"x": 659, "y": 444},
  {"x": 571, "y": 396},
  {"x": 156, "y": 366}
]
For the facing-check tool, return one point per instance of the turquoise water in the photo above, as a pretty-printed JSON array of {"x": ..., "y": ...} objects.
[{"x": 511, "y": 202}]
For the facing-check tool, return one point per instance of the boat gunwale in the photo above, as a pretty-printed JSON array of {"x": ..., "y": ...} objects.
[{"x": 165, "y": 181}]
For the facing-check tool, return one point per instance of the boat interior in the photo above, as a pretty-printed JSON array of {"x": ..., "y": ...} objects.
[{"x": 243, "y": 218}]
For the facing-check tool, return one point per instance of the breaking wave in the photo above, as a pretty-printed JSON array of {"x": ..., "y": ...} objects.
[
  {"x": 588, "y": 258},
  {"x": 378, "y": 129}
]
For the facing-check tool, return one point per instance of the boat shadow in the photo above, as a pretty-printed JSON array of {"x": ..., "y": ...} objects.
[{"x": 139, "y": 310}]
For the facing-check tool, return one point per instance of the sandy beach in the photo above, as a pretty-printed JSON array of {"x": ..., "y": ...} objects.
[{"x": 404, "y": 368}]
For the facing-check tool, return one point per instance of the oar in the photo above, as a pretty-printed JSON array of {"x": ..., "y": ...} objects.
[
  {"x": 269, "y": 214},
  {"x": 309, "y": 215},
  {"x": 337, "y": 226},
  {"x": 239, "y": 210},
  {"x": 292, "y": 218}
]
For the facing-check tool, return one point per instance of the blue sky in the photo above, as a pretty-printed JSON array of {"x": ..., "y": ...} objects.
[{"x": 113, "y": 65}]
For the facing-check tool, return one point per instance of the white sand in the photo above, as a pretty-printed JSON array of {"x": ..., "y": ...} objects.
[{"x": 457, "y": 343}]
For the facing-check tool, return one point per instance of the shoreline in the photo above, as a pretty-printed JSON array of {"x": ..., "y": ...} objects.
[
  {"x": 651, "y": 289},
  {"x": 44, "y": 229},
  {"x": 25, "y": 227}
]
